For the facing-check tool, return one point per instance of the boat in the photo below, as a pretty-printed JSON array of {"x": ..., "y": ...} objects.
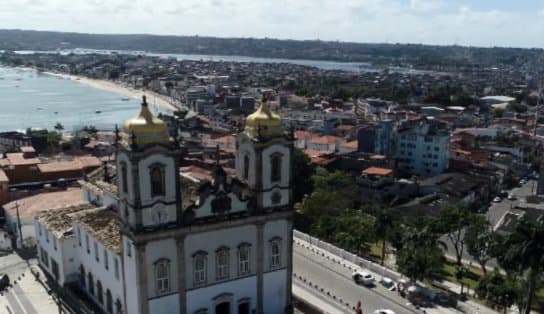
[
  {"x": 56, "y": 112},
  {"x": 125, "y": 99},
  {"x": 98, "y": 111},
  {"x": 40, "y": 108}
]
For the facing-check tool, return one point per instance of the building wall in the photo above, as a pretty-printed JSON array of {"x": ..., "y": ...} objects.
[
  {"x": 131, "y": 276},
  {"x": 203, "y": 298}
]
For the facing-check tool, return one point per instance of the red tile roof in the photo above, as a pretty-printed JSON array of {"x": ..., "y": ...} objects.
[
  {"x": 79, "y": 163},
  {"x": 30, "y": 206},
  {"x": 352, "y": 144},
  {"x": 17, "y": 159},
  {"x": 3, "y": 176},
  {"x": 27, "y": 149},
  {"x": 375, "y": 171}
]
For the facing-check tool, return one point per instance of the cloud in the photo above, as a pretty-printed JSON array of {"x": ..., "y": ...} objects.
[{"x": 426, "y": 6}]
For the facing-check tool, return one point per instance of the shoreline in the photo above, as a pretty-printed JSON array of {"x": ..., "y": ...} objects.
[{"x": 159, "y": 101}]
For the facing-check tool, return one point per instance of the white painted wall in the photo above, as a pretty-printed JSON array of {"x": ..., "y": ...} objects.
[
  {"x": 164, "y": 305},
  {"x": 157, "y": 250},
  {"x": 129, "y": 266},
  {"x": 242, "y": 288},
  {"x": 274, "y": 293}
]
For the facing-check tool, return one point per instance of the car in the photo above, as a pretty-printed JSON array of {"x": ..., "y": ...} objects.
[
  {"x": 4, "y": 281},
  {"x": 497, "y": 199},
  {"x": 522, "y": 181},
  {"x": 383, "y": 311},
  {"x": 388, "y": 283},
  {"x": 363, "y": 278},
  {"x": 511, "y": 196}
]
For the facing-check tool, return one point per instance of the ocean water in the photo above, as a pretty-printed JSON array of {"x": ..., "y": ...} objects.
[{"x": 30, "y": 99}]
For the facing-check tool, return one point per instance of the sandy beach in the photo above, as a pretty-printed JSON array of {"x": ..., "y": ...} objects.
[{"x": 161, "y": 102}]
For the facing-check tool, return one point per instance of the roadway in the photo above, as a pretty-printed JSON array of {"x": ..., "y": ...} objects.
[{"x": 336, "y": 279}]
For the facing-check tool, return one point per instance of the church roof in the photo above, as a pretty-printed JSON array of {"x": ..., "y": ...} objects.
[
  {"x": 59, "y": 221},
  {"x": 263, "y": 122},
  {"x": 145, "y": 128},
  {"x": 102, "y": 224}
]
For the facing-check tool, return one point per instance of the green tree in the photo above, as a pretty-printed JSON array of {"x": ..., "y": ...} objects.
[
  {"x": 500, "y": 291},
  {"x": 354, "y": 232},
  {"x": 421, "y": 258},
  {"x": 382, "y": 227},
  {"x": 452, "y": 221},
  {"x": 480, "y": 241},
  {"x": 524, "y": 251},
  {"x": 302, "y": 173},
  {"x": 59, "y": 127}
]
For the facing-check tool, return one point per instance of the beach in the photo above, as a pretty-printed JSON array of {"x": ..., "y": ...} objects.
[{"x": 160, "y": 101}]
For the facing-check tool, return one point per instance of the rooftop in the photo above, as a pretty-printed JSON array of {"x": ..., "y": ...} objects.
[
  {"x": 3, "y": 176},
  {"x": 18, "y": 159},
  {"x": 59, "y": 222},
  {"x": 376, "y": 171},
  {"x": 31, "y": 206},
  {"x": 76, "y": 164},
  {"x": 102, "y": 224}
]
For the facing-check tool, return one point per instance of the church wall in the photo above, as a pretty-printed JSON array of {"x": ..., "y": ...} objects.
[
  {"x": 243, "y": 149},
  {"x": 273, "y": 229},
  {"x": 285, "y": 165},
  {"x": 240, "y": 289},
  {"x": 274, "y": 294},
  {"x": 156, "y": 250},
  {"x": 145, "y": 180},
  {"x": 123, "y": 158},
  {"x": 164, "y": 305},
  {"x": 129, "y": 273},
  {"x": 209, "y": 242}
]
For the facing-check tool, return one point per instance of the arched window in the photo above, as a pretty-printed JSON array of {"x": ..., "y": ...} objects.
[
  {"x": 99, "y": 292},
  {"x": 200, "y": 267},
  {"x": 222, "y": 263},
  {"x": 91, "y": 283},
  {"x": 275, "y": 253},
  {"x": 246, "y": 167},
  {"x": 244, "y": 250},
  {"x": 162, "y": 276},
  {"x": 157, "y": 180},
  {"x": 109, "y": 301},
  {"x": 275, "y": 170},
  {"x": 124, "y": 178}
]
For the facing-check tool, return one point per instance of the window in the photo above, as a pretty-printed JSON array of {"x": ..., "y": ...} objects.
[
  {"x": 162, "y": 276},
  {"x": 106, "y": 265},
  {"x": 436, "y": 148},
  {"x": 46, "y": 235},
  {"x": 82, "y": 276},
  {"x": 91, "y": 283},
  {"x": 79, "y": 236},
  {"x": 87, "y": 244},
  {"x": 246, "y": 167},
  {"x": 124, "y": 181},
  {"x": 55, "y": 268},
  {"x": 96, "y": 254},
  {"x": 109, "y": 301},
  {"x": 275, "y": 253},
  {"x": 39, "y": 228},
  {"x": 275, "y": 174},
  {"x": 116, "y": 268},
  {"x": 243, "y": 259},
  {"x": 222, "y": 262},
  {"x": 157, "y": 180},
  {"x": 129, "y": 251},
  {"x": 54, "y": 243},
  {"x": 200, "y": 268},
  {"x": 99, "y": 293}
]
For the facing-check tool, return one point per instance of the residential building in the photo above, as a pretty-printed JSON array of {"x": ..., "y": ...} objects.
[{"x": 422, "y": 146}]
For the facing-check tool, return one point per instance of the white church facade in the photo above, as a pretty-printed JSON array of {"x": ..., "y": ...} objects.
[{"x": 133, "y": 247}]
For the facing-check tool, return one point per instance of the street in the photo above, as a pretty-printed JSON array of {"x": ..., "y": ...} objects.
[{"x": 336, "y": 278}]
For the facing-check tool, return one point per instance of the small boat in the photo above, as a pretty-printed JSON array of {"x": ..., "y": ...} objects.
[
  {"x": 125, "y": 99},
  {"x": 56, "y": 112},
  {"x": 98, "y": 111},
  {"x": 39, "y": 108}
]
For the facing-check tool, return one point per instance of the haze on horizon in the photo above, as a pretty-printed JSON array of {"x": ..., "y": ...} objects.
[{"x": 483, "y": 23}]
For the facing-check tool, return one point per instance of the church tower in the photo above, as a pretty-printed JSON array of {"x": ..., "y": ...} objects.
[{"x": 263, "y": 159}]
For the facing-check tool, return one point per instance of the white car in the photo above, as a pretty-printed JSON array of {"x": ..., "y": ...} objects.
[
  {"x": 383, "y": 311},
  {"x": 388, "y": 283},
  {"x": 362, "y": 277},
  {"x": 511, "y": 196},
  {"x": 497, "y": 200}
]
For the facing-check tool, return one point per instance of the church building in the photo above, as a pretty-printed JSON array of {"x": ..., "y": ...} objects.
[{"x": 132, "y": 247}]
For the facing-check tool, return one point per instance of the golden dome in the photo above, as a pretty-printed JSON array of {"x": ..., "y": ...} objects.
[
  {"x": 145, "y": 128},
  {"x": 263, "y": 122}
]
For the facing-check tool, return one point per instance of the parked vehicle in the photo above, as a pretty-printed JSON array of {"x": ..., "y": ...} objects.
[
  {"x": 4, "y": 281},
  {"x": 383, "y": 311},
  {"x": 388, "y": 283},
  {"x": 511, "y": 196},
  {"x": 363, "y": 278},
  {"x": 497, "y": 199}
]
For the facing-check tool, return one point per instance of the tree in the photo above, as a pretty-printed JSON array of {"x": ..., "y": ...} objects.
[
  {"x": 480, "y": 241},
  {"x": 382, "y": 226},
  {"x": 354, "y": 231},
  {"x": 58, "y": 127},
  {"x": 421, "y": 258},
  {"x": 302, "y": 173},
  {"x": 524, "y": 251},
  {"x": 452, "y": 221},
  {"x": 501, "y": 291}
]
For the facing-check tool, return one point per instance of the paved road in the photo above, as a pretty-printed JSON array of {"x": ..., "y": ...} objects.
[
  {"x": 494, "y": 214},
  {"x": 337, "y": 279}
]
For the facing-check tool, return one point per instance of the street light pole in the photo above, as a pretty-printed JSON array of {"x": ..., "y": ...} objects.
[{"x": 19, "y": 223}]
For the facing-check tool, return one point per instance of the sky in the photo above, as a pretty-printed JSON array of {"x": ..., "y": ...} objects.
[{"x": 485, "y": 23}]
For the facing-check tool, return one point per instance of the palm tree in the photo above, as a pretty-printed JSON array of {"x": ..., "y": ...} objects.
[
  {"x": 525, "y": 248},
  {"x": 58, "y": 127},
  {"x": 382, "y": 225}
]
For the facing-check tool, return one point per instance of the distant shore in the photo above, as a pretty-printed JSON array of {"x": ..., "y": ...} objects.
[{"x": 161, "y": 102}]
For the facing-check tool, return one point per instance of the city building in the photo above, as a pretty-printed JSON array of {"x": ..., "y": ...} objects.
[
  {"x": 422, "y": 146},
  {"x": 134, "y": 248}
]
